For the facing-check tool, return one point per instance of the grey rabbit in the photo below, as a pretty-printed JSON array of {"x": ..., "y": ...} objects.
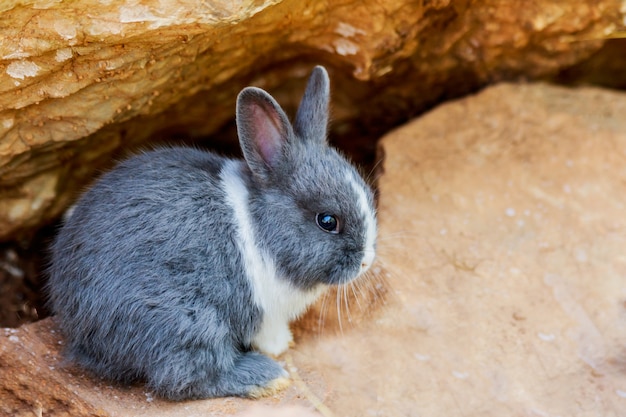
[{"x": 182, "y": 269}]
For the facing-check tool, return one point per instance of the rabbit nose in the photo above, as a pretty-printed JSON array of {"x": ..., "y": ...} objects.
[
  {"x": 367, "y": 260},
  {"x": 364, "y": 267}
]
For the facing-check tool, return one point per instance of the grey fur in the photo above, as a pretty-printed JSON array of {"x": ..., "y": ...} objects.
[{"x": 147, "y": 280}]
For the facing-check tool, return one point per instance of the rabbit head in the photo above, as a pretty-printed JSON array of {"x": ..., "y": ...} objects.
[{"x": 312, "y": 211}]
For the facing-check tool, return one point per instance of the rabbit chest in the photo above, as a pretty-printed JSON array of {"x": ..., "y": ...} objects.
[{"x": 279, "y": 300}]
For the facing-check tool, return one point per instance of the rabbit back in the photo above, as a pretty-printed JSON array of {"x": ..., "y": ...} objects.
[{"x": 148, "y": 265}]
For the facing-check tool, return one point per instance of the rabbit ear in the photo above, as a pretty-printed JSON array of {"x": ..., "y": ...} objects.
[
  {"x": 263, "y": 129},
  {"x": 312, "y": 117}
]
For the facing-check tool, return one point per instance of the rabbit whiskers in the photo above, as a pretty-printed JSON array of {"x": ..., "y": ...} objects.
[{"x": 368, "y": 293}]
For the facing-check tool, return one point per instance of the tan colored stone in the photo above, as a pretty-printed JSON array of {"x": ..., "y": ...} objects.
[
  {"x": 35, "y": 380},
  {"x": 32, "y": 381},
  {"x": 502, "y": 236},
  {"x": 502, "y": 232},
  {"x": 84, "y": 80}
]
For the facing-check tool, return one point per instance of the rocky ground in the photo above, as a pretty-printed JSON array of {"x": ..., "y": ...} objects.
[{"x": 499, "y": 288}]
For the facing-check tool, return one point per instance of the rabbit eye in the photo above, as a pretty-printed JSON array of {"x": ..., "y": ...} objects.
[{"x": 327, "y": 222}]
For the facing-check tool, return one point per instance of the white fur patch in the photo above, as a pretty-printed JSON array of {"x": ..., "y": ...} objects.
[
  {"x": 369, "y": 223},
  {"x": 280, "y": 301}
]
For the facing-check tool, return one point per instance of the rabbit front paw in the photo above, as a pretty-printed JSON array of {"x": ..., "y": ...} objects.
[{"x": 273, "y": 338}]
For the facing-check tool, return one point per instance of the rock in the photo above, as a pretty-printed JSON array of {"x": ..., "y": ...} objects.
[
  {"x": 32, "y": 380},
  {"x": 288, "y": 411},
  {"x": 502, "y": 230},
  {"x": 84, "y": 82},
  {"x": 35, "y": 380},
  {"x": 499, "y": 288}
]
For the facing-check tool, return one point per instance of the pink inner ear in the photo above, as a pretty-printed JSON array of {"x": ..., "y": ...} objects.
[{"x": 268, "y": 135}]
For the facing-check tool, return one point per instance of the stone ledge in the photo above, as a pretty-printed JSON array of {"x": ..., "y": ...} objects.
[
  {"x": 82, "y": 82},
  {"x": 35, "y": 380}
]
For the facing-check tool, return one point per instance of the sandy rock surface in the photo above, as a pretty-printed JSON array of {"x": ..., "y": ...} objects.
[
  {"x": 82, "y": 82},
  {"x": 502, "y": 241},
  {"x": 502, "y": 227},
  {"x": 35, "y": 380}
]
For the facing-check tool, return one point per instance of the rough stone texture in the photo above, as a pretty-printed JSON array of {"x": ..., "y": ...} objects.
[
  {"x": 604, "y": 67},
  {"x": 32, "y": 384},
  {"x": 502, "y": 226},
  {"x": 81, "y": 82},
  {"x": 502, "y": 236},
  {"x": 34, "y": 380}
]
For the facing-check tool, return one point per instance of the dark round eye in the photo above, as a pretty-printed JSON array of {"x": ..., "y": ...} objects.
[{"x": 327, "y": 222}]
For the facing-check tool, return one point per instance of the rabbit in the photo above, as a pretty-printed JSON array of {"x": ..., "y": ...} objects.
[{"x": 182, "y": 269}]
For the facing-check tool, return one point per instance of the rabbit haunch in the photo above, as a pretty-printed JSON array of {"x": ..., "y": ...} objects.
[{"x": 179, "y": 265}]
